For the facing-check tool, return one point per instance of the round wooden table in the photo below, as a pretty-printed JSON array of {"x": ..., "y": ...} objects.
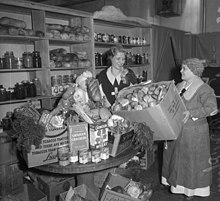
[{"x": 85, "y": 172}]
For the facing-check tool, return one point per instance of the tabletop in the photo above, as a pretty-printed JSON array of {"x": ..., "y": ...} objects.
[{"x": 77, "y": 168}]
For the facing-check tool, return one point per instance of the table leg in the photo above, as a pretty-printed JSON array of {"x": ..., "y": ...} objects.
[{"x": 88, "y": 180}]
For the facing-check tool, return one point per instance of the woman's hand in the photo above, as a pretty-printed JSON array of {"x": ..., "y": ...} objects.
[{"x": 186, "y": 116}]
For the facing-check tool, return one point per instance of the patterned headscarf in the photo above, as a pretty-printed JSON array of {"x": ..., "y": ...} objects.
[{"x": 195, "y": 65}]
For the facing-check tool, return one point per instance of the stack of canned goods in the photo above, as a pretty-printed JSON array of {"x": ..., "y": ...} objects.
[
  {"x": 94, "y": 155},
  {"x": 112, "y": 38},
  {"x": 59, "y": 83}
]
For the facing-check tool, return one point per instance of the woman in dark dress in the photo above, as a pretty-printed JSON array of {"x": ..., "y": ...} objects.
[
  {"x": 187, "y": 161},
  {"x": 115, "y": 77}
]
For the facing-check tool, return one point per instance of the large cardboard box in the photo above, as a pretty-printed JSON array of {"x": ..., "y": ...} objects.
[
  {"x": 8, "y": 150},
  {"x": 165, "y": 118},
  {"x": 33, "y": 194},
  {"x": 11, "y": 179},
  {"x": 47, "y": 152},
  {"x": 53, "y": 186},
  {"x": 119, "y": 142},
  {"x": 112, "y": 181},
  {"x": 83, "y": 191}
]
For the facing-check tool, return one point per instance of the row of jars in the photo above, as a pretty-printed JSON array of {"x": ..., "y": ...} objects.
[
  {"x": 130, "y": 59},
  {"x": 112, "y": 38},
  {"x": 21, "y": 90},
  {"x": 28, "y": 60}
]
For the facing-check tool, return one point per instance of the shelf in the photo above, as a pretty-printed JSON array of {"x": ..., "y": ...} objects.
[
  {"x": 24, "y": 100},
  {"x": 131, "y": 66},
  {"x": 124, "y": 45},
  {"x": 55, "y": 41},
  {"x": 19, "y": 39},
  {"x": 20, "y": 70},
  {"x": 64, "y": 68},
  {"x": 121, "y": 23}
]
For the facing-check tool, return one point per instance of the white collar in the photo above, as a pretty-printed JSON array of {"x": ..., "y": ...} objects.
[{"x": 111, "y": 77}]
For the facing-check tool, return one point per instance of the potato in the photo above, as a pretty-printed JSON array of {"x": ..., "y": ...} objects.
[
  {"x": 138, "y": 107},
  {"x": 133, "y": 104}
]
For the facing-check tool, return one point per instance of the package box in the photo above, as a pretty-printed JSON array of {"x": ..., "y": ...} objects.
[
  {"x": 149, "y": 158},
  {"x": 165, "y": 118},
  {"x": 78, "y": 136},
  {"x": 8, "y": 150},
  {"x": 83, "y": 191},
  {"x": 112, "y": 195},
  {"x": 119, "y": 142},
  {"x": 33, "y": 194},
  {"x": 47, "y": 152},
  {"x": 53, "y": 186},
  {"x": 98, "y": 134},
  {"x": 112, "y": 181},
  {"x": 11, "y": 179}
]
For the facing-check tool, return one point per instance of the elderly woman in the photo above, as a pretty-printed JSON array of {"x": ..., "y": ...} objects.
[
  {"x": 186, "y": 161},
  {"x": 116, "y": 76}
]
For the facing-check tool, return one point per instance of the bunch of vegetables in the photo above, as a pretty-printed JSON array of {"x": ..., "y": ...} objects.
[
  {"x": 141, "y": 96},
  {"x": 26, "y": 130}
]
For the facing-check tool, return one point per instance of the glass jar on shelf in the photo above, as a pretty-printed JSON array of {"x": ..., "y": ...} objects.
[
  {"x": 9, "y": 60},
  {"x": 27, "y": 60},
  {"x": 3, "y": 93},
  {"x": 38, "y": 86},
  {"x": 19, "y": 91},
  {"x": 36, "y": 59},
  {"x": 19, "y": 62}
]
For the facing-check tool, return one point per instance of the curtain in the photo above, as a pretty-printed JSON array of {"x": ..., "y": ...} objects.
[
  {"x": 208, "y": 46},
  {"x": 169, "y": 48}
]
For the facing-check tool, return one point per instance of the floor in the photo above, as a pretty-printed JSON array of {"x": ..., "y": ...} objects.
[{"x": 153, "y": 175}]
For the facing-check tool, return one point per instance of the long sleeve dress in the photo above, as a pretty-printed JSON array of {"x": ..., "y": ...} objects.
[
  {"x": 110, "y": 85},
  {"x": 187, "y": 161}
]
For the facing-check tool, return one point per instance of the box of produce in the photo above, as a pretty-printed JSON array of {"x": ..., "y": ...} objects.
[
  {"x": 46, "y": 152},
  {"x": 52, "y": 186},
  {"x": 78, "y": 136},
  {"x": 117, "y": 187},
  {"x": 157, "y": 104}
]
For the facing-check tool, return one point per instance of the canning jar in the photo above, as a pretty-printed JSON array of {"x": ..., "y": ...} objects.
[
  {"x": 9, "y": 60},
  {"x": 27, "y": 60},
  {"x": 38, "y": 86},
  {"x": 3, "y": 93},
  {"x": 32, "y": 89},
  {"x": 19, "y": 91},
  {"x": 36, "y": 59},
  {"x": 1, "y": 63}
]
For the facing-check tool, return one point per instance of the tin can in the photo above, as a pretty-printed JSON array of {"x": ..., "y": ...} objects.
[
  {"x": 95, "y": 36},
  {"x": 124, "y": 40},
  {"x": 129, "y": 40},
  {"x": 99, "y": 37},
  {"x": 112, "y": 38},
  {"x": 6, "y": 123},
  {"x": 104, "y": 153},
  {"x": 96, "y": 155},
  {"x": 73, "y": 157},
  {"x": 105, "y": 38},
  {"x": 84, "y": 156},
  {"x": 63, "y": 155},
  {"x": 120, "y": 39}
]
